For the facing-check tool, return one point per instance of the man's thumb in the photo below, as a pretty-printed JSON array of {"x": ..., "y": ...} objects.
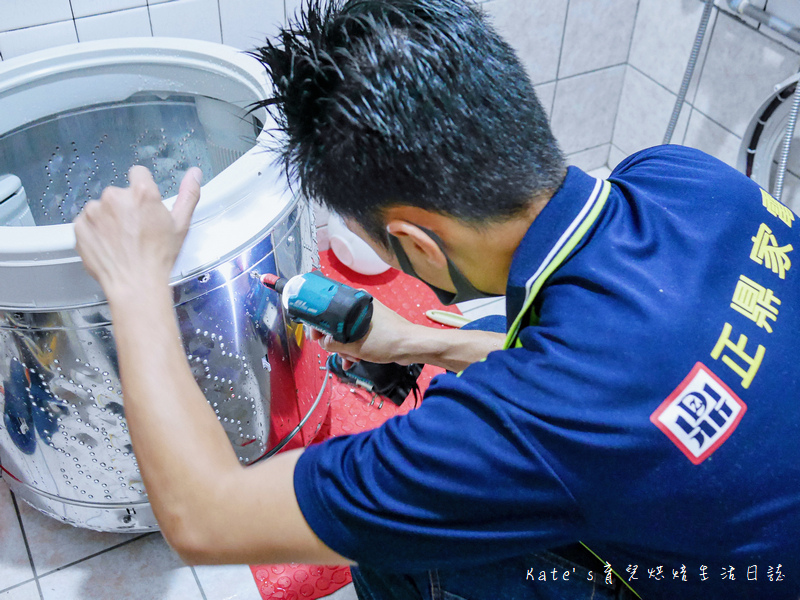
[{"x": 188, "y": 197}]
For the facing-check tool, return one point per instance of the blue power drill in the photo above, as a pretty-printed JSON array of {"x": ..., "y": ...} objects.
[{"x": 345, "y": 314}]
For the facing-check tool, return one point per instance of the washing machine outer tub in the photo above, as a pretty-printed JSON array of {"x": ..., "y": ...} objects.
[{"x": 69, "y": 455}]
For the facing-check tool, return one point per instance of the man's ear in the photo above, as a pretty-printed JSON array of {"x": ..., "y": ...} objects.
[{"x": 419, "y": 246}]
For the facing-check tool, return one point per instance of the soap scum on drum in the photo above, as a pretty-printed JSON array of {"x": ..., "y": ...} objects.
[{"x": 774, "y": 574}]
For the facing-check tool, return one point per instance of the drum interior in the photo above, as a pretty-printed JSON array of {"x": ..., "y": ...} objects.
[{"x": 66, "y": 159}]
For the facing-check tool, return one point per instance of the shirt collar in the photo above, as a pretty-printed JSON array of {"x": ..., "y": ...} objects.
[{"x": 560, "y": 213}]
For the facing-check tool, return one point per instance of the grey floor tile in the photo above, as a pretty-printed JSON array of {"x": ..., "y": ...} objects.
[
  {"x": 348, "y": 592},
  {"x": 228, "y": 582},
  {"x": 15, "y": 567},
  {"x": 145, "y": 568},
  {"x": 55, "y": 544},
  {"x": 28, "y": 591}
]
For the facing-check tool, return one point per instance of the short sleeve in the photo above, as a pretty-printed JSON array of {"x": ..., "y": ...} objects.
[{"x": 460, "y": 480}]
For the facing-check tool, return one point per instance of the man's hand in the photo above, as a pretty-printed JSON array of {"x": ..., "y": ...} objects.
[
  {"x": 129, "y": 237},
  {"x": 387, "y": 339},
  {"x": 391, "y": 338}
]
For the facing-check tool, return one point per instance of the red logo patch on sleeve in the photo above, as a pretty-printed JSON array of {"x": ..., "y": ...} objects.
[{"x": 700, "y": 414}]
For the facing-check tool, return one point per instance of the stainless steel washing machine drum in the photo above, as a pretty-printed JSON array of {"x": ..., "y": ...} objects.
[{"x": 72, "y": 120}]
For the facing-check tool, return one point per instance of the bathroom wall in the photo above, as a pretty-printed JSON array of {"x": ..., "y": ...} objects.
[
  {"x": 607, "y": 71},
  {"x": 575, "y": 52},
  {"x": 738, "y": 66}
]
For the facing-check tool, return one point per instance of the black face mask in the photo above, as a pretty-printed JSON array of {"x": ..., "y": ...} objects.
[{"x": 464, "y": 289}]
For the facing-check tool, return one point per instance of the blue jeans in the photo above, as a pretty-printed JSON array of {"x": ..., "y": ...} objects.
[{"x": 540, "y": 576}]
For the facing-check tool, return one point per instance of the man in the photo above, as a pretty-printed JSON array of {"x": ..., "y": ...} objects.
[{"x": 645, "y": 401}]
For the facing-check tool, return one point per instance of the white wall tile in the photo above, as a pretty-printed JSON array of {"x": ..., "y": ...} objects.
[
  {"x": 644, "y": 112},
  {"x": 84, "y": 8},
  {"x": 29, "y": 591},
  {"x": 585, "y": 108},
  {"x": 14, "y": 564},
  {"x": 246, "y": 23},
  {"x": 545, "y": 93},
  {"x": 21, "y": 41},
  {"x": 54, "y": 544},
  {"x": 741, "y": 68},
  {"x": 706, "y": 135},
  {"x": 600, "y": 172},
  {"x": 196, "y": 19},
  {"x": 615, "y": 156},
  {"x": 145, "y": 568},
  {"x": 791, "y": 192},
  {"x": 15, "y": 14},
  {"x": 124, "y": 23},
  {"x": 590, "y": 159},
  {"x": 322, "y": 214},
  {"x": 534, "y": 30},
  {"x": 292, "y": 8},
  {"x": 724, "y": 7},
  {"x": 597, "y": 35},
  {"x": 793, "y": 163},
  {"x": 780, "y": 38},
  {"x": 228, "y": 582},
  {"x": 663, "y": 40}
]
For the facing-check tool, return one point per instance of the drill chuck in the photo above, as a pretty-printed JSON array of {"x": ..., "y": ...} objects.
[{"x": 324, "y": 304}]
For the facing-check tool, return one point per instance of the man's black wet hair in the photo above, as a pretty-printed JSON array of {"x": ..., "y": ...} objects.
[{"x": 408, "y": 102}]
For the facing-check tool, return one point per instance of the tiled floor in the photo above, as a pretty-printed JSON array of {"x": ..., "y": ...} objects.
[
  {"x": 44, "y": 559},
  {"x": 41, "y": 558}
]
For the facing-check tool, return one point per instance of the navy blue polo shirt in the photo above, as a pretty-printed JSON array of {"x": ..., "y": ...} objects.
[{"x": 649, "y": 405}]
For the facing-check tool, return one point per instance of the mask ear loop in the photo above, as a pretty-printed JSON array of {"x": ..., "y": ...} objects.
[
  {"x": 464, "y": 288},
  {"x": 402, "y": 257},
  {"x": 443, "y": 296}
]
